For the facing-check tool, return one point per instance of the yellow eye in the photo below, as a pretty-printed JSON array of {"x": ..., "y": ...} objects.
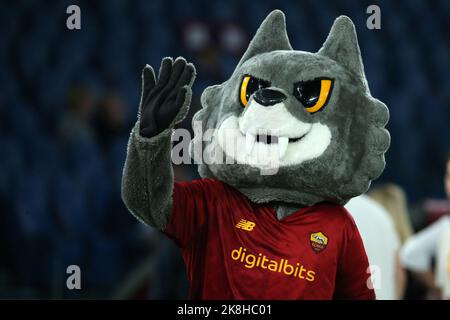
[
  {"x": 314, "y": 94},
  {"x": 249, "y": 86}
]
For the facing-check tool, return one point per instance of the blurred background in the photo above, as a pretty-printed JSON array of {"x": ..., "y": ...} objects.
[{"x": 68, "y": 99}]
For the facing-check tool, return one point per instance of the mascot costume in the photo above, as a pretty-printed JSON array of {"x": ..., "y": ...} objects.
[{"x": 247, "y": 232}]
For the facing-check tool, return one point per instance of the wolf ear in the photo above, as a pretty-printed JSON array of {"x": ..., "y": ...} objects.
[
  {"x": 271, "y": 35},
  {"x": 342, "y": 46}
]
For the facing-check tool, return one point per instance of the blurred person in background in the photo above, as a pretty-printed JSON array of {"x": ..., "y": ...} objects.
[
  {"x": 393, "y": 198},
  {"x": 382, "y": 244},
  {"x": 443, "y": 264},
  {"x": 420, "y": 252},
  {"x": 77, "y": 122},
  {"x": 110, "y": 120}
]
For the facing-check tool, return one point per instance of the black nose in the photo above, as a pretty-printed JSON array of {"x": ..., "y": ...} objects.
[{"x": 268, "y": 97}]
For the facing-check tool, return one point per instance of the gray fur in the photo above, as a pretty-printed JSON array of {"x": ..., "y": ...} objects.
[
  {"x": 342, "y": 46},
  {"x": 266, "y": 41},
  {"x": 284, "y": 210},
  {"x": 356, "y": 119},
  {"x": 147, "y": 179}
]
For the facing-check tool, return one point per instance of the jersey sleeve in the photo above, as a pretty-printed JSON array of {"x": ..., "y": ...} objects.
[
  {"x": 353, "y": 275},
  {"x": 191, "y": 205}
]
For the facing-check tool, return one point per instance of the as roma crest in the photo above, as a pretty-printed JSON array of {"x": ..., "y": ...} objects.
[{"x": 318, "y": 241}]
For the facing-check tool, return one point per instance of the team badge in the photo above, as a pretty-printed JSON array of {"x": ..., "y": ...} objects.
[{"x": 318, "y": 241}]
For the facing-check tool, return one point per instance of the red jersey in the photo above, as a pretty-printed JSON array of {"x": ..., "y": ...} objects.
[{"x": 236, "y": 249}]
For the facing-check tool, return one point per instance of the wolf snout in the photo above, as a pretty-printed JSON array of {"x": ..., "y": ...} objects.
[{"x": 269, "y": 96}]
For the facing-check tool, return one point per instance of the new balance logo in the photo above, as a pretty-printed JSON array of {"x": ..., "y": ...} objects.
[{"x": 245, "y": 225}]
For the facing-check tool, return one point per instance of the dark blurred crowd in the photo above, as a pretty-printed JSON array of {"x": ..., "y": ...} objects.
[{"x": 68, "y": 99}]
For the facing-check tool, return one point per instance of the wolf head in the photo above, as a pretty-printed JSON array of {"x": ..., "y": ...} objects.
[{"x": 312, "y": 113}]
